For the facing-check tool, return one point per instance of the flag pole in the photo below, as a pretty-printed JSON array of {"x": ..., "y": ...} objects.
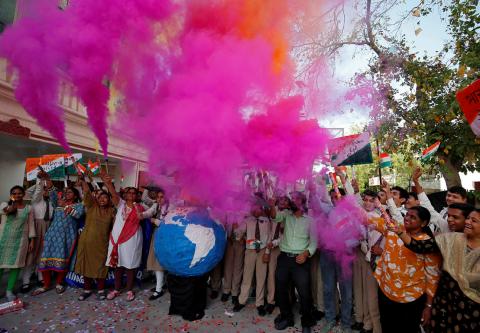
[
  {"x": 378, "y": 154},
  {"x": 65, "y": 180}
]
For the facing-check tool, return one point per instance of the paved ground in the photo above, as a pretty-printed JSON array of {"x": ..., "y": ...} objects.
[{"x": 63, "y": 313}]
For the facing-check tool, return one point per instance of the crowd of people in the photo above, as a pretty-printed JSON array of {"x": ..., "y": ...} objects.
[{"x": 414, "y": 269}]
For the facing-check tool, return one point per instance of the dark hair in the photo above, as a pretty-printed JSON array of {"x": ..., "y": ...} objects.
[
  {"x": 424, "y": 215},
  {"x": 413, "y": 194},
  {"x": 464, "y": 207},
  {"x": 370, "y": 193},
  {"x": 102, "y": 192},
  {"x": 130, "y": 188},
  {"x": 17, "y": 187},
  {"x": 458, "y": 190},
  {"x": 341, "y": 190},
  {"x": 75, "y": 192},
  {"x": 303, "y": 197},
  {"x": 403, "y": 192},
  {"x": 289, "y": 202}
]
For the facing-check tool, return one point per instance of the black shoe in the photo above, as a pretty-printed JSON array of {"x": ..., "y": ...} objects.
[
  {"x": 357, "y": 326},
  {"x": 213, "y": 294},
  {"x": 283, "y": 324},
  {"x": 366, "y": 331},
  {"x": 278, "y": 318},
  {"x": 199, "y": 315},
  {"x": 306, "y": 329},
  {"x": 318, "y": 315},
  {"x": 234, "y": 300},
  {"x": 26, "y": 288},
  {"x": 238, "y": 307},
  {"x": 156, "y": 295},
  {"x": 225, "y": 297},
  {"x": 261, "y": 311},
  {"x": 269, "y": 308}
]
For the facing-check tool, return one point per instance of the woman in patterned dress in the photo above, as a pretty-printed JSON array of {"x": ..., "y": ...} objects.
[
  {"x": 17, "y": 233},
  {"x": 407, "y": 281},
  {"x": 456, "y": 305},
  {"x": 60, "y": 239}
]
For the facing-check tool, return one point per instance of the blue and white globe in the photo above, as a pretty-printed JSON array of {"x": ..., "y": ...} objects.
[{"x": 189, "y": 242}]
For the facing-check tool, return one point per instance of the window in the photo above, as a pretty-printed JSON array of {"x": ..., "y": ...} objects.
[{"x": 8, "y": 10}]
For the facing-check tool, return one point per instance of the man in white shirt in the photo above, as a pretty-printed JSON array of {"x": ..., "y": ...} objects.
[{"x": 438, "y": 221}]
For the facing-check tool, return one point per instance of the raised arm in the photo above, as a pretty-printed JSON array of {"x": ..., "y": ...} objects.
[
  {"x": 394, "y": 211},
  {"x": 107, "y": 180}
]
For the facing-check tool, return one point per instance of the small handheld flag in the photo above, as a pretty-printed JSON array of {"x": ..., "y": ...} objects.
[
  {"x": 385, "y": 160},
  {"x": 94, "y": 167},
  {"x": 80, "y": 168},
  {"x": 427, "y": 153}
]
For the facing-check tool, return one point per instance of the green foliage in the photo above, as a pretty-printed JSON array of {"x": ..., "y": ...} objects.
[{"x": 419, "y": 93}]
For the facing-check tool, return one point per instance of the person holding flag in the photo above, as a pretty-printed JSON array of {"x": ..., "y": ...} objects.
[{"x": 61, "y": 236}]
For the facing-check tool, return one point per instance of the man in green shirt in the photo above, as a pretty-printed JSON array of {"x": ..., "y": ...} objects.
[{"x": 298, "y": 244}]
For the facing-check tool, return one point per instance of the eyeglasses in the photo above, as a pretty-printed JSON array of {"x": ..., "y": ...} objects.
[{"x": 17, "y": 193}]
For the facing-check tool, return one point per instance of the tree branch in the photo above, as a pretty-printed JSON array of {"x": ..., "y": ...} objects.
[{"x": 368, "y": 22}]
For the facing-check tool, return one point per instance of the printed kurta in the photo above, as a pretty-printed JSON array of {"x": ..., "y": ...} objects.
[
  {"x": 15, "y": 232},
  {"x": 130, "y": 252},
  {"x": 93, "y": 241},
  {"x": 60, "y": 238},
  {"x": 402, "y": 274}
]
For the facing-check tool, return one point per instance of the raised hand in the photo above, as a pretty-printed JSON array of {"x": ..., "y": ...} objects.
[
  {"x": 417, "y": 173},
  {"x": 355, "y": 186},
  {"x": 105, "y": 177},
  {"x": 386, "y": 187}
]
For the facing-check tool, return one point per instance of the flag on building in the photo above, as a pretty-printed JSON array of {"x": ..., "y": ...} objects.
[
  {"x": 385, "y": 160},
  {"x": 427, "y": 153},
  {"x": 94, "y": 167},
  {"x": 351, "y": 150}
]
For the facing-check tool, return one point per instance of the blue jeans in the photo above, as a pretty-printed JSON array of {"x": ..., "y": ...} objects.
[{"x": 331, "y": 274}]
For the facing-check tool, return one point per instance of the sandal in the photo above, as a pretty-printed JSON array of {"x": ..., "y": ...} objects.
[
  {"x": 130, "y": 296},
  {"x": 39, "y": 291},
  {"x": 60, "y": 289},
  {"x": 111, "y": 295},
  {"x": 85, "y": 295},
  {"x": 101, "y": 295}
]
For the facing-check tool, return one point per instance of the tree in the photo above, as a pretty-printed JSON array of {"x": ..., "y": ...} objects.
[{"x": 412, "y": 97}]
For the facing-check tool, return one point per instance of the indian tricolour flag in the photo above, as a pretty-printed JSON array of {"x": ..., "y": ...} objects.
[
  {"x": 54, "y": 165},
  {"x": 427, "y": 153},
  {"x": 80, "y": 168},
  {"x": 94, "y": 167},
  {"x": 385, "y": 160}
]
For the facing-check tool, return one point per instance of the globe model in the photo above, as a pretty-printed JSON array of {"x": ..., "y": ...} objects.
[{"x": 189, "y": 242}]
